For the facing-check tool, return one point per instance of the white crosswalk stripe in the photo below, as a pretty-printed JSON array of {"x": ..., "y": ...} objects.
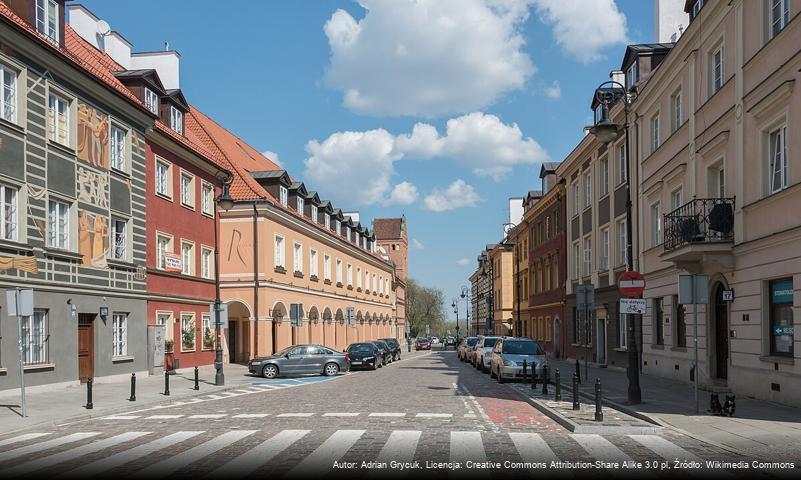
[
  {"x": 163, "y": 417},
  {"x": 387, "y": 414},
  {"x": 40, "y": 447},
  {"x": 323, "y": 457},
  {"x": 130, "y": 455},
  {"x": 21, "y": 438},
  {"x": 286, "y": 415},
  {"x": 400, "y": 447},
  {"x": 66, "y": 455},
  {"x": 209, "y": 415},
  {"x": 467, "y": 446},
  {"x": 532, "y": 447},
  {"x": 434, "y": 415},
  {"x": 341, "y": 414},
  {"x": 599, "y": 447},
  {"x": 259, "y": 455},
  {"x": 252, "y": 415},
  {"x": 176, "y": 462},
  {"x": 121, "y": 417},
  {"x": 663, "y": 448}
]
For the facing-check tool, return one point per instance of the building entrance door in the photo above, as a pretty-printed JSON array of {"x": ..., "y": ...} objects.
[
  {"x": 721, "y": 334},
  {"x": 601, "y": 340},
  {"x": 232, "y": 339},
  {"x": 557, "y": 340},
  {"x": 86, "y": 346}
]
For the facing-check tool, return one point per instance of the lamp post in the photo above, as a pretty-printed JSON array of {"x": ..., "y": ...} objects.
[
  {"x": 466, "y": 297},
  {"x": 606, "y": 131},
  {"x": 223, "y": 202},
  {"x": 509, "y": 245},
  {"x": 456, "y": 311}
]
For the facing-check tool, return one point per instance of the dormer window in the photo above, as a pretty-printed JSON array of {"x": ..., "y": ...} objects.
[
  {"x": 314, "y": 213},
  {"x": 300, "y": 205},
  {"x": 631, "y": 76},
  {"x": 176, "y": 120},
  {"x": 338, "y": 226},
  {"x": 601, "y": 113},
  {"x": 327, "y": 220},
  {"x": 151, "y": 101},
  {"x": 697, "y": 7},
  {"x": 347, "y": 232},
  {"x": 47, "y": 19},
  {"x": 283, "y": 195}
]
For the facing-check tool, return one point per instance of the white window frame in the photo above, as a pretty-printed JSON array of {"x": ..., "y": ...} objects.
[
  {"x": 313, "y": 270},
  {"x": 283, "y": 195},
  {"x": 676, "y": 199},
  {"x": 717, "y": 78},
  {"x": 576, "y": 260},
  {"x": 151, "y": 101},
  {"x": 588, "y": 190},
  {"x": 366, "y": 280},
  {"x": 604, "y": 254},
  {"x": 327, "y": 220},
  {"x": 207, "y": 198},
  {"x": 279, "y": 254},
  {"x": 776, "y": 25},
  {"x": 297, "y": 256},
  {"x": 327, "y": 266},
  {"x": 167, "y": 248},
  {"x": 176, "y": 120},
  {"x": 119, "y": 328},
  {"x": 206, "y": 264},
  {"x": 676, "y": 116},
  {"x": 338, "y": 227},
  {"x": 349, "y": 271},
  {"x": 656, "y": 137},
  {"x": 163, "y": 181},
  {"x": 622, "y": 163},
  {"x": 48, "y": 22},
  {"x": 119, "y": 250},
  {"x": 187, "y": 189},
  {"x": 35, "y": 349},
  {"x": 604, "y": 178},
  {"x": 777, "y": 159},
  {"x": 188, "y": 318},
  {"x": 8, "y": 93},
  {"x": 587, "y": 257},
  {"x": 55, "y": 103},
  {"x": 300, "y": 204},
  {"x": 206, "y": 327},
  {"x": 118, "y": 139},
  {"x": 58, "y": 224},
  {"x": 314, "y": 214},
  {"x": 656, "y": 225},
  {"x": 631, "y": 75},
  {"x": 621, "y": 242},
  {"x": 358, "y": 277},
  {"x": 339, "y": 270},
  {"x": 187, "y": 267}
]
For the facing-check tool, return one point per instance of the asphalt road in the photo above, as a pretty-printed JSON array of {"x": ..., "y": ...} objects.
[{"x": 429, "y": 412}]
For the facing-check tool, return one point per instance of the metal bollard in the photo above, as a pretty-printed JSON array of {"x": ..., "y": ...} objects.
[
  {"x": 599, "y": 414},
  {"x": 524, "y": 371},
  {"x": 578, "y": 370},
  {"x": 533, "y": 375},
  {"x": 197, "y": 380},
  {"x": 545, "y": 379},
  {"x": 576, "y": 405},
  {"x": 132, "y": 398},
  {"x": 89, "y": 404},
  {"x": 166, "y": 384},
  {"x": 558, "y": 382}
]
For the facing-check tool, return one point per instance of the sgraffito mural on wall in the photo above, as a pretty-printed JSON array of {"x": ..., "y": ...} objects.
[
  {"x": 93, "y": 136},
  {"x": 93, "y": 187},
  {"x": 93, "y": 238}
]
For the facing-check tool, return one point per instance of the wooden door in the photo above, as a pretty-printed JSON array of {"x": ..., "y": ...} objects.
[
  {"x": 86, "y": 346},
  {"x": 232, "y": 334}
]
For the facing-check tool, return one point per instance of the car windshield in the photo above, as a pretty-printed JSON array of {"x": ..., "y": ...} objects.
[
  {"x": 522, "y": 347},
  {"x": 490, "y": 342},
  {"x": 360, "y": 348},
  {"x": 471, "y": 341},
  {"x": 284, "y": 351}
]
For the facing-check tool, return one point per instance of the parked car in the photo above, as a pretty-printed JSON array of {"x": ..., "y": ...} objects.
[
  {"x": 434, "y": 340},
  {"x": 450, "y": 341},
  {"x": 386, "y": 355},
  {"x": 508, "y": 356},
  {"x": 465, "y": 347},
  {"x": 364, "y": 354},
  {"x": 422, "y": 343},
  {"x": 301, "y": 360},
  {"x": 394, "y": 347},
  {"x": 483, "y": 352}
]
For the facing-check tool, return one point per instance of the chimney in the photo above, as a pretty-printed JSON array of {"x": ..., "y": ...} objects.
[
  {"x": 353, "y": 215},
  {"x": 166, "y": 63},
  {"x": 618, "y": 76},
  {"x": 99, "y": 34}
]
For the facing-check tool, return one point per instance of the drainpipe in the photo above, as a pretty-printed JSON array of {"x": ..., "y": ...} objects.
[{"x": 255, "y": 281}]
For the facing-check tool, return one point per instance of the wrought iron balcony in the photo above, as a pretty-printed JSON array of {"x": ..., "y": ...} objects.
[{"x": 701, "y": 220}]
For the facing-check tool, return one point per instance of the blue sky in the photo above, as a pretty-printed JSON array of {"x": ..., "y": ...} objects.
[{"x": 291, "y": 77}]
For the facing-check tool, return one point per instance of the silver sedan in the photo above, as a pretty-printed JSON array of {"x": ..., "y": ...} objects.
[{"x": 301, "y": 360}]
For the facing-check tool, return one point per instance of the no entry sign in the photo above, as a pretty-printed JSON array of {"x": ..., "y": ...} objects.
[{"x": 631, "y": 284}]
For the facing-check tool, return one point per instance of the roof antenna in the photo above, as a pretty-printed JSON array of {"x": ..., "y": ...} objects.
[{"x": 166, "y": 46}]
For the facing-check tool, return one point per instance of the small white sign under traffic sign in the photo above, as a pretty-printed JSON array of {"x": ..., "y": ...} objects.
[{"x": 632, "y": 305}]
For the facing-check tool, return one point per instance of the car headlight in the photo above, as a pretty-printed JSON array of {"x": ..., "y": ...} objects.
[{"x": 509, "y": 363}]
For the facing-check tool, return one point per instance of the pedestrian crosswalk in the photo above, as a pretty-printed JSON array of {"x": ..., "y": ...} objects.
[
  {"x": 218, "y": 416},
  {"x": 304, "y": 453}
]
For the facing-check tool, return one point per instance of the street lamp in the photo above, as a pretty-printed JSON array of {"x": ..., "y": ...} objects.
[
  {"x": 509, "y": 245},
  {"x": 456, "y": 311},
  {"x": 607, "y": 131},
  {"x": 224, "y": 202},
  {"x": 466, "y": 297}
]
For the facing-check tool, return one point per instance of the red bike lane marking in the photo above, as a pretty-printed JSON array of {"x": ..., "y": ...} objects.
[{"x": 506, "y": 410}]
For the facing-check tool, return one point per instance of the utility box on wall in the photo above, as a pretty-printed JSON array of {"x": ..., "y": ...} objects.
[{"x": 155, "y": 349}]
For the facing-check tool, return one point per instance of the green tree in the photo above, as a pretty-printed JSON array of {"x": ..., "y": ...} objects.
[{"x": 424, "y": 306}]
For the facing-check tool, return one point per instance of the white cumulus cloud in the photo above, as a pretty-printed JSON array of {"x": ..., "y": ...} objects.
[
  {"x": 272, "y": 156},
  {"x": 554, "y": 92},
  {"x": 584, "y": 27},
  {"x": 404, "y": 193},
  {"x": 458, "y": 195},
  {"x": 427, "y": 57},
  {"x": 463, "y": 262},
  {"x": 417, "y": 245}
]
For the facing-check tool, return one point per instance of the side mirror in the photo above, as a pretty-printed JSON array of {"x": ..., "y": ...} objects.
[{"x": 287, "y": 355}]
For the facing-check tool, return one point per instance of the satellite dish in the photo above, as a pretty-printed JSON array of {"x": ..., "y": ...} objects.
[{"x": 103, "y": 28}]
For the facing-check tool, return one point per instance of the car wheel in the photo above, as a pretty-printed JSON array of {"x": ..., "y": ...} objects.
[
  {"x": 269, "y": 371},
  {"x": 331, "y": 369},
  {"x": 373, "y": 366}
]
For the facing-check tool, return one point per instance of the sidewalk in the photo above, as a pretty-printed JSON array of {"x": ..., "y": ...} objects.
[
  {"x": 760, "y": 429},
  {"x": 67, "y": 403}
]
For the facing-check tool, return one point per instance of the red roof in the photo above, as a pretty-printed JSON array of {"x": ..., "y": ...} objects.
[{"x": 387, "y": 228}]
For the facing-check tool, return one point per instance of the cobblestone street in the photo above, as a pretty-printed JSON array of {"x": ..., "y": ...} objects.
[{"x": 429, "y": 410}]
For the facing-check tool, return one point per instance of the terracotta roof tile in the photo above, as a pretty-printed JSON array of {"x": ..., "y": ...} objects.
[{"x": 387, "y": 228}]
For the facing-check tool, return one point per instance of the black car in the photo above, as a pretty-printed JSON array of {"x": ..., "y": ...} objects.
[
  {"x": 394, "y": 347},
  {"x": 366, "y": 354},
  {"x": 386, "y": 355}
]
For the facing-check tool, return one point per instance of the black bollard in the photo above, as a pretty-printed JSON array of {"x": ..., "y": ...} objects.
[
  {"x": 533, "y": 375},
  {"x": 576, "y": 405},
  {"x": 197, "y": 380},
  {"x": 166, "y": 384},
  {"x": 524, "y": 371},
  {"x": 545, "y": 379},
  {"x": 578, "y": 370},
  {"x": 132, "y": 398},
  {"x": 558, "y": 382},
  {"x": 89, "y": 404},
  {"x": 599, "y": 414}
]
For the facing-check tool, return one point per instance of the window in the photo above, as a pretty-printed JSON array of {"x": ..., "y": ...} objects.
[
  {"x": 187, "y": 257},
  {"x": 207, "y": 199},
  {"x": 327, "y": 267},
  {"x": 680, "y": 321},
  {"x": 58, "y": 119},
  {"x": 587, "y": 256},
  {"x": 313, "y": 262},
  {"x": 655, "y": 138},
  {"x": 338, "y": 227},
  {"x": 587, "y": 190},
  {"x": 373, "y": 284},
  {"x": 576, "y": 201},
  {"x": 604, "y": 180},
  {"x": 358, "y": 278},
  {"x": 187, "y": 332},
  {"x": 604, "y": 260},
  {"x": 697, "y": 7},
  {"x": 151, "y": 101},
  {"x": 381, "y": 284},
  {"x": 779, "y": 15},
  {"x": 350, "y": 275},
  {"x": 716, "y": 70},
  {"x": 327, "y": 220},
  {"x": 176, "y": 120},
  {"x": 622, "y": 163},
  {"x": 781, "y": 317},
  {"x": 34, "y": 338},
  {"x": 576, "y": 261},
  {"x": 165, "y": 318},
  {"x": 117, "y": 148},
  {"x": 119, "y": 327},
  {"x": 621, "y": 328},
  {"x": 58, "y": 225},
  {"x": 601, "y": 113},
  {"x": 657, "y": 315},
  {"x": 778, "y": 160},
  {"x": 339, "y": 271},
  {"x": 283, "y": 195},
  {"x": 656, "y": 226},
  {"x": 279, "y": 251},
  {"x": 208, "y": 334},
  {"x": 47, "y": 16},
  {"x": 8, "y": 94},
  {"x": 631, "y": 76},
  {"x": 675, "y": 199},
  {"x": 314, "y": 214},
  {"x": 621, "y": 242},
  {"x": 205, "y": 262},
  {"x": 163, "y": 246},
  {"x": 347, "y": 232},
  {"x": 676, "y": 118},
  {"x": 300, "y": 205},
  {"x": 187, "y": 190},
  {"x": 163, "y": 178},
  {"x": 118, "y": 238},
  {"x": 298, "y": 257},
  {"x": 367, "y": 280}
]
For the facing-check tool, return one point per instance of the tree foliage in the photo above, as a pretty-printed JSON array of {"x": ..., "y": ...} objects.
[{"x": 424, "y": 306}]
